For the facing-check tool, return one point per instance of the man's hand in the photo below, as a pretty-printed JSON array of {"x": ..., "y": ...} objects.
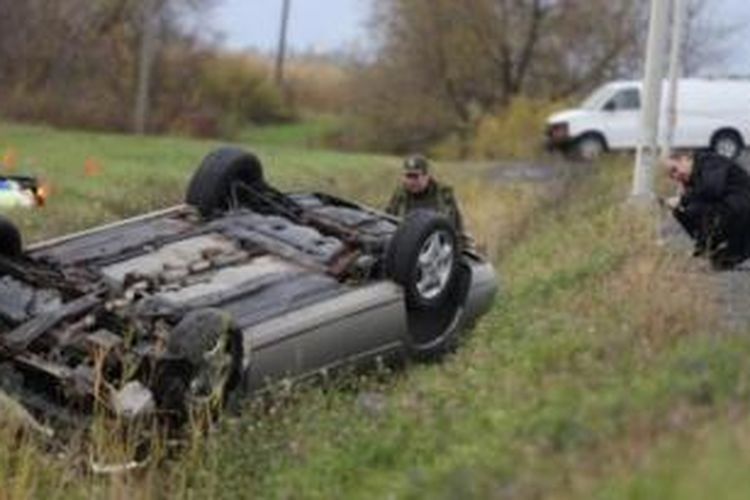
[{"x": 672, "y": 202}]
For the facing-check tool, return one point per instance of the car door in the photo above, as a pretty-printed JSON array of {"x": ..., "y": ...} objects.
[{"x": 621, "y": 117}]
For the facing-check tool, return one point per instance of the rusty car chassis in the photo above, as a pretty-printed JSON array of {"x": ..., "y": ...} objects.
[{"x": 240, "y": 287}]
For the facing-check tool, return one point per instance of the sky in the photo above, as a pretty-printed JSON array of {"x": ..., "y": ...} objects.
[
  {"x": 320, "y": 25},
  {"x": 323, "y": 25}
]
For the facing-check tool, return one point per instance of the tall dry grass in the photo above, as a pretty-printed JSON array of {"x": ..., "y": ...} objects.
[
  {"x": 318, "y": 85},
  {"x": 517, "y": 132},
  {"x": 312, "y": 84}
]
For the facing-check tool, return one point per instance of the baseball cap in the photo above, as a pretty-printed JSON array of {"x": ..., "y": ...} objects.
[{"x": 417, "y": 163}]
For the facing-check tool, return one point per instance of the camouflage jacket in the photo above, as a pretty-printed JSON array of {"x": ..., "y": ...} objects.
[{"x": 436, "y": 197}]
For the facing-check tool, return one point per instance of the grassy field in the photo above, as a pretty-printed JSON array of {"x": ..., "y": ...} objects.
[
  {"x": 602, "y": 371},
  {"x": 309, "y": 132},
  {"x": 97, "y": 177}
]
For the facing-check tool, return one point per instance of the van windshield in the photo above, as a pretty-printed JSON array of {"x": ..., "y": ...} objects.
[{"x": 596, "y": 99}]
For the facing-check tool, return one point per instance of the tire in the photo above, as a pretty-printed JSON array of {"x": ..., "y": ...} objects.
[
  {"x": 203, "y": 362},
  {"x": 423, "y": 258},
  {"x": 435, "y": 333},
  {"x": 727, "y": 143},
  {"x": 211, "y": 187},
  {"x": 589, "y": 147},
  {"x": 11, "y": 244}
]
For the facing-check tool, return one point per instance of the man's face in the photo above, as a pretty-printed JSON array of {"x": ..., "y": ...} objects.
[
  {"x": 416, "y": 182},
  {"x": 679, "y": 168}
]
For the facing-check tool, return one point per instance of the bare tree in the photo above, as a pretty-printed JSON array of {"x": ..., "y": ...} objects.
[
  {"x": 458, "y": 60},
  {"x": 707, "y": 42},
  {"x": 77, "y": 61}
]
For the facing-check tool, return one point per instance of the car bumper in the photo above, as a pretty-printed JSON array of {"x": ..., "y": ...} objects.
[{"x": 484, "y": 288}]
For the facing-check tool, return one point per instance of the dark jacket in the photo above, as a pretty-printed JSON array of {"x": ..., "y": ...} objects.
[
  {"x": 715, "y": 209},
  {"x": 719, "y": 182},
  {"x": 437, "y": 197}
]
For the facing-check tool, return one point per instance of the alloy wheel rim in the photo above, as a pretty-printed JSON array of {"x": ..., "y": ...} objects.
[{"x": 435, "y": 264}]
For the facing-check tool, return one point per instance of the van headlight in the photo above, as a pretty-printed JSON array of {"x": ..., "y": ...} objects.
[{"x": 558, "y": 132}]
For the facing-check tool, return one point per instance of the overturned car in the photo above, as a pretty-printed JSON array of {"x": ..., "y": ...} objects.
[{"x": 240, "y": 287}]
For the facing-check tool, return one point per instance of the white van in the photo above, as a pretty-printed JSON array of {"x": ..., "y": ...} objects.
[{"x": 710, "y": 114}]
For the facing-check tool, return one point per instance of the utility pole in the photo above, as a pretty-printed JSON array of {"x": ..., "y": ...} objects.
[
  {"x": 679, "y": 18},
  {"x": 647, "y": 156},
  {"x": 281, "y": 52},
  {"x": 149, "y": 35}
]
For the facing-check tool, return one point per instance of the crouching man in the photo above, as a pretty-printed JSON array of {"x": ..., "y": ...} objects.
[{"x": 713, "y": 205}]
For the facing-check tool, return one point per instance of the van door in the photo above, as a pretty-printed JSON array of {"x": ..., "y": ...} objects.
[
  {"x": 621, "y": 118},
  {"x": 703, "y": 108}
]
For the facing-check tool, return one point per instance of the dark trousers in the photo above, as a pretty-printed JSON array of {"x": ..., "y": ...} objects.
[{"x": 720, "y": 232}]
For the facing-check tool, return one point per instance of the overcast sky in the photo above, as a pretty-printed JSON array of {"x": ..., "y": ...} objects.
[
  {"x": 333, "y": 24},
  {"x": 314, "y": 24}
]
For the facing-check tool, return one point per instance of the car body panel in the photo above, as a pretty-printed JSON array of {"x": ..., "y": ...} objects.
[{"x": 364, "y": 322}]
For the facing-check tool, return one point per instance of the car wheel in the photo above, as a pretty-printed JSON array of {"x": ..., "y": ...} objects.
[
  {"x": 727, "y": 143},
  {"x": 213, "y": 187},
  {"x": 422, "y": 258},
  {"x": 201, "y": 365},
  {"x": 589, "y": 148},
  {"x": 11, "y": 244}
]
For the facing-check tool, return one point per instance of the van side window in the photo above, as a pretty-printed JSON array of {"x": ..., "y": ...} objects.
[{"x": 625, "y": 100}]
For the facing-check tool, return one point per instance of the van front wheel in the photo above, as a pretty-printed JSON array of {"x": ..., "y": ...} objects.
[{"x": 590, "y": 147}]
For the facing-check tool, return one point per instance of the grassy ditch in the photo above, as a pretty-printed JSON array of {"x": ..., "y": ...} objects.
[
  {"x": 602, "y": 348},
  {"x": 602, "y": 361}
]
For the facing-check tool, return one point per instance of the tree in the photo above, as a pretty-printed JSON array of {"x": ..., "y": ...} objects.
[
  {"x": 444, "y": 64},
  {"x": 708, "y": 41},
  {"x": 75, "y": 62}
]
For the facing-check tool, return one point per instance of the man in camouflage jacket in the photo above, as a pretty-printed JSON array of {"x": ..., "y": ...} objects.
[{"x": 420, "y": 190}]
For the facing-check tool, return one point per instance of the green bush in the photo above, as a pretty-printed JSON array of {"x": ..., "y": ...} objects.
[
  {"x": 237, "y": 91},
  {"x": 515, "y": 133}
]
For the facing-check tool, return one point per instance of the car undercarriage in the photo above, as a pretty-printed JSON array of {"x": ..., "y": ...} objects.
[{"x": 241, "y": 286}]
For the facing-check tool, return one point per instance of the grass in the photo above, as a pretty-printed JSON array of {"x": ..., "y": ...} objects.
[
  {"x": 96, "y": 177},
  {"x": 712, "y": 463},
  {"x": 308, "y": 132},
  {"x": 602, "y": 372}
]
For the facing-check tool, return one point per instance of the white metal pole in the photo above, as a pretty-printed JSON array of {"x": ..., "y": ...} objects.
[
  {"x": 643, "y": 178},
  {"x": 679, "y": 17}
]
